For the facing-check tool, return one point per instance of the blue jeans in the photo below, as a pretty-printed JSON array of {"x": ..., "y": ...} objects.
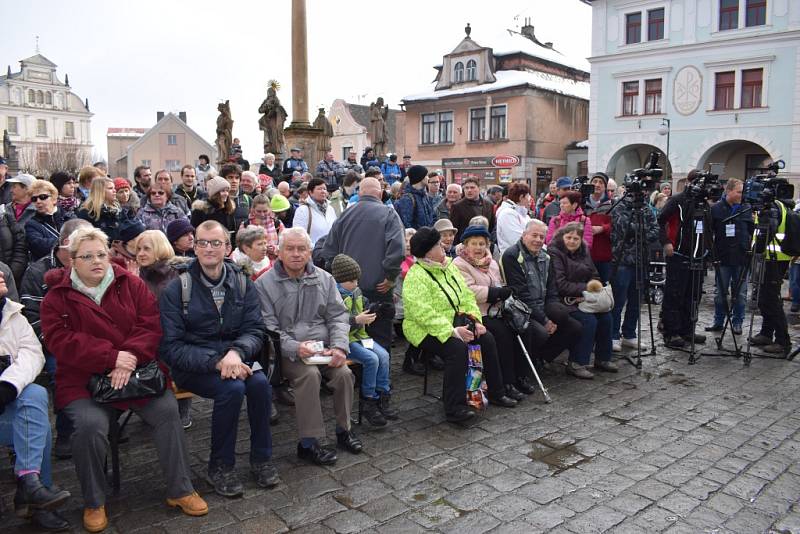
[
  {"x": 728, "y": 276},
  {"x": 64, "y": 426},
  {"x": 626, "y": 295},
  {"x": 794, "y": 283},
  {"x": 595, "y": 333},
  {"x": 604, "y": 270},
  {"x": 374, "y": 368},
  {"x": 228, "y": 396},
  {"x": 25, "y": 425}
]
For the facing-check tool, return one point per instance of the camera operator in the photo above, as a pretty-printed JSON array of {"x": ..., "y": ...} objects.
[
  {"x": 678, "y": 233},
  {"x": 731, "y": 246}
]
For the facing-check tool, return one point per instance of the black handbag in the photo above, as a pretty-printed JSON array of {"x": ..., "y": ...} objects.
[
  {"x": 516, "y": 314},
  {"x": 146, "y": 381}
]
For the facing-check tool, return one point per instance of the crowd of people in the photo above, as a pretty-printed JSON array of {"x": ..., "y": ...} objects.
[{"x": 236, "y": 286}]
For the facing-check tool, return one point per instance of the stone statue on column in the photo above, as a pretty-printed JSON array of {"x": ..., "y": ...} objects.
[
  {"x": 378, "y": 117},
  {"x": 272, "y": 120},
  {"x": 326, "y": 132},
  {"x": 10, "y": 153},
  {"x": 224, "y": 132}
]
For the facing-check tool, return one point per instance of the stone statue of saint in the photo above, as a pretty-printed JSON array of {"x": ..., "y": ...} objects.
[
  {"x": 271, "y": 121},
  {"x": 224, "y": 132},
  {"x": 378, "y": 117},
  {"x": 10, "y": 153},
  {"x": 324, "y": 141}
]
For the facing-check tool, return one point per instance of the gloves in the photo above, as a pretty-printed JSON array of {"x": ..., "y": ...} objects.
[
  {"x": 497, "y": 294},
  {"x": 8, "y": 394}
]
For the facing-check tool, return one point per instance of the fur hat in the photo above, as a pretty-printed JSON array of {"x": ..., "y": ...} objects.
[
  {"x": 424, "y": 240},
  {"x": 416, "y": 173},
  {"x": 345, "y": 269},
  {"x": 216, "y": 184}
]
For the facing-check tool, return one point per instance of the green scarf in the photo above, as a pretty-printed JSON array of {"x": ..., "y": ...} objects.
[{"x": 94, "y": 293}]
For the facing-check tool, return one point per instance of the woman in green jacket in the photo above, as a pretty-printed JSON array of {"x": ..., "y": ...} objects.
[{"x": 433, "y": 293}]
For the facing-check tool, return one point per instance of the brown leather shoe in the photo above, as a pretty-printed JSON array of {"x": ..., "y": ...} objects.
[
  {"x": 192, "y": 504},
  {"x": 95, "y": 519}
]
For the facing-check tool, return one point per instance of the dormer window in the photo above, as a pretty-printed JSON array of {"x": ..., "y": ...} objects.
[
  {"x": 472, "y": 70},
  {"x": 458, "y": 72}
]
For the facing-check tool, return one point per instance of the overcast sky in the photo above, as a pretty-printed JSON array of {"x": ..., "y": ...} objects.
[{"x": 133, "y": 58}]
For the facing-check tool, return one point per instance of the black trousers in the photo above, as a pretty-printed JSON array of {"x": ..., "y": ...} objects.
[
  {"x": 546, "y": 347},
  {"x": 681, "y": 290},
  {"x": 512, "y": 361},
  {"x": 770, "y": 303}
]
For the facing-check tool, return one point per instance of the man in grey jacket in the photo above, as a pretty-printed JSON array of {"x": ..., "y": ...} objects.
[
  {"x": 372, "y": 234},
  {"x": 301, "y": 303}
]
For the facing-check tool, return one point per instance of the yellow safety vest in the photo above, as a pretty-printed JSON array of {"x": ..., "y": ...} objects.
[{"x": 774, "y": 247}]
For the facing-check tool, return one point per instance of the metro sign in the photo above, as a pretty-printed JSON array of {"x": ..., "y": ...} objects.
[{"x": 505, "y": 161}]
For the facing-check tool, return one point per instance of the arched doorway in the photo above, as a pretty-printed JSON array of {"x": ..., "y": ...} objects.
[
  {"x": 740, "y": 159},
  {"x": 633, "y": 157}
]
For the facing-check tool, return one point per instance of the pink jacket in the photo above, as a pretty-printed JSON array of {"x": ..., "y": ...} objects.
[
  {"x": 563, "y": 219},
  {"x": 479, "y": 281}
]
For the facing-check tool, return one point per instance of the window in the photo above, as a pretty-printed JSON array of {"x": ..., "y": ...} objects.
[
  {"x": 12, "y": 126},
  {"x": 723, "y": 90},
  {"x": 477, "y": 124},
  {"x": 69, "y": 129},
  {"x": 497, "y": 124},
  {"x": 446, "y": 127},
  {"x": 652, "y": 97},
  {"x": 31, "y": 96},
  {"x": 173, "y": 165},
  {"x": 630, "y": 97},
  {"x": 147, "y": 163},
  {"x": 172, "y": 139},
  {"x": 756, "y": 13},
  {"x": 655, "y": 24},
  {"x": 428, "y": 128},
  {"x": 752, "y": 81},
  {"x": 633, "y": 28},
  {"x": 41, "y": 127},
  {"x": 458, "y": 72},
  {"x": 345, "y": 153},
  {"x": 39, "y": 97},
  {"x": 728, "y": 14},
  {"x": 48, "y": 98},
  {"x": 472, "y": 70}
]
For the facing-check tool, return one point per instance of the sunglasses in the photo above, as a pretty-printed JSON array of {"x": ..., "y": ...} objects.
[
  {"x": 157, "y": 193},
  {"x": 40, "y": 197}
]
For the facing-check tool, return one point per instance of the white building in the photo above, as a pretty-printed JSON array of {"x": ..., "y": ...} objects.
[
  {"x": 40, "y": 112},
  {"x": 709, "y": 81}
]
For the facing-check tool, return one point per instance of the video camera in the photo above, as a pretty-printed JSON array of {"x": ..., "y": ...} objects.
[
  {"x": 763, "y": 189},
  {"x": 644, "y": 179},
  {"x": 583, "y": 185},
  {"x": 706, "y": 185}
]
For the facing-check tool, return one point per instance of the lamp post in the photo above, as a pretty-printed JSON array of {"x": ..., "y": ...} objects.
[{"x": 664, "y": 129}]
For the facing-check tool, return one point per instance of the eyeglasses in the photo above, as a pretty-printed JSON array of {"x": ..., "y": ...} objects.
[
  {"x": 215, "y": 243},
  {"x": 91, "y": 257},
  {"x": 157, "y": 193},
  {"x": 43, "y": 196}
]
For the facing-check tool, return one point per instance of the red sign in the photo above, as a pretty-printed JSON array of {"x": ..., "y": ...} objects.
[{"x": 505, "y": 161}]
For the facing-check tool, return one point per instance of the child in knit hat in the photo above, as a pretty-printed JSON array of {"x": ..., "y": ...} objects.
[{"x": 373, "y": 358}]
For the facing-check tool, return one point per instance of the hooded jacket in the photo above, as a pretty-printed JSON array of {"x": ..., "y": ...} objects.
[
  {"x": 18, "y": 340},
  {"x": 415, "y": 208}
]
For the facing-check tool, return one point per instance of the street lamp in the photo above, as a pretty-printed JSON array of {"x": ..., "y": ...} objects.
[{"x": 664, "y": 129}]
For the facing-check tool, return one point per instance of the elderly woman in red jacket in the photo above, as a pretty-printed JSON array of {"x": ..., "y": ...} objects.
[{"x": 99, "y": 318}]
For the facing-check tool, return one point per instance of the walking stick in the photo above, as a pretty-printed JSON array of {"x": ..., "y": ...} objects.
[{"x": 547, "y": 398}]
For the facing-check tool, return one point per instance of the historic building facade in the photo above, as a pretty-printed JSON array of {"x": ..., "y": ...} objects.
[
  {"x": 351, "y": 129},
  {"x": 43, "y": 116},
  {"x": 500, "y": 112},
  {"x": 709, "y": 81}
]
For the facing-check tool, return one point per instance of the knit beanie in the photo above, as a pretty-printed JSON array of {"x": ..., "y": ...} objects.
[
  {"x": 121, "y": 183},
  {"x": 178, "y": 228},
  {"x": 424, "y": 240},
  {"x": 216, "y": 184},
  {"x": 416, "y": 173},
  {"x": 345, "y": 269},
  {"x": 603, "y": 176}
]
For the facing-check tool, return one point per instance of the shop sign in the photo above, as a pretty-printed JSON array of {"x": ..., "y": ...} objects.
[{"x": 505, "y": 161}]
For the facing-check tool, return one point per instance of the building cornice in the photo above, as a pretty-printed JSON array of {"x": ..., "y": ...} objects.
[
  {"x": 33, "y": 111},
  {"x": 641, "y": 72},
  {"x": 742, "y": 61}
]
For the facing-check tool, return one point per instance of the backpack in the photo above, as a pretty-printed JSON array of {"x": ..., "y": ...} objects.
[
  {"x": 186, "y": 289},
  {"x": 413, "y": 207},
  {"x": 790, "y": 245}
]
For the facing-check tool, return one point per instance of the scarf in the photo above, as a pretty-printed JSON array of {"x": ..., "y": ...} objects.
[
  {"x": 482, "y": 264},
  {"x": 323, "y": 206},
  {"x": 67, "y": 204},
  {"x": 268, "y": 224},
  {"x": 94, "y": 293}
]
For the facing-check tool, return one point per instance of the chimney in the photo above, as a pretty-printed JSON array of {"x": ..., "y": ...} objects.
[
  {"x": 66, "y": 80},
  {"x": 182, "y": 116},
  {"x": 159, "y": 116}
]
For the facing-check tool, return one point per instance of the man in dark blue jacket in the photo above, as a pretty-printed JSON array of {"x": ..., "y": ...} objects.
[
  {"x": 213, "y": 336},
  {"x": 415, "y": 207},
  {"x": 731, "y": 245}
]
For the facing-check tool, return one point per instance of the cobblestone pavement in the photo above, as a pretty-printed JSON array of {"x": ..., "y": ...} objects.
[{"x": 712, "y": 447}]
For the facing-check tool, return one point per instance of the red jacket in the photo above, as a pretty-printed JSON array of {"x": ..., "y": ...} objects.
[
  {"x": 86, "y": 338},
  {"x": 601, "y": 244}
]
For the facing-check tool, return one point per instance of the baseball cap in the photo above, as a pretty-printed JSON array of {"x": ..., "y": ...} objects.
[{"x": 21, "y": 178}]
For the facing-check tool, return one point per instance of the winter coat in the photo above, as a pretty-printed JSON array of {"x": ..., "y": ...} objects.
[
  {"x": 303, "y": 309},
  {"x": 25, "y": 216},
  {"x": 18, "y": 341},
  {"x": 623, "y": 234},
  {"x": 109, "y": 219},
  {"x": 415, "y": 208},
  {"x": 189, "y": 197},
  {"x": 310, "y": 217},
  {"x": 11, "y": 285},
  {"x": 571, "y": 271},
  {"x": 348, "y": 165},
  {"x": 294, "y": 164},
  {"x": 332, "y": 182},
  {"x": 33, "y": 289},
  {"x": 529, "y": 278},
  {"x": 601, "y": 243},
  {"x": 391, "y": 172},
  {"x": 274, "y": 172},
  {"x": 372, "y": 235},
  {"x": 550, "y": 211},
  {"x": 42, "y": 232},
  {"x": 87, "y": 338},
  {"x": 13, "y": 245},
  {"x": 180, "y": 203},
  {"x": 159, "y": 218},
  {"x": 354, "y": 302},
  {"x": 562, "y": 219},
  {"x": 197, "y": 341},
  {"x": 676, "y": 226},
  {"x": 465, "y": 209},
  {"x": 158, "y": 275},
  {"x": 479, "y": 281},
  {"x": 731, "y": 250},
  {"x": 511, "y": 222},
  {"x": 203, "y": 210},
  {"x": 428, "y": 311},
  {"x": 442, "y": 211}
]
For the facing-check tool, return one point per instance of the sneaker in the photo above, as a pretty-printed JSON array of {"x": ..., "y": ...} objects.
[
  {"x": 737, "y": 329},
  {"x": 186, "y": 414},
  {"x": 608, "y": 367},
  {"x": 225, "y": 481},
  {"x": 616, "y": 345},
  {"x": 579, "y": 371},
  {"x": 630, "y": 343},
  {"x": 265, "y": 473}
]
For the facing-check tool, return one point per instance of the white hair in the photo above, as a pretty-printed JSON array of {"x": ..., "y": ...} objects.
[
  {"x": 294, "y": 232},
  {"x": 535, "y": 222}
]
